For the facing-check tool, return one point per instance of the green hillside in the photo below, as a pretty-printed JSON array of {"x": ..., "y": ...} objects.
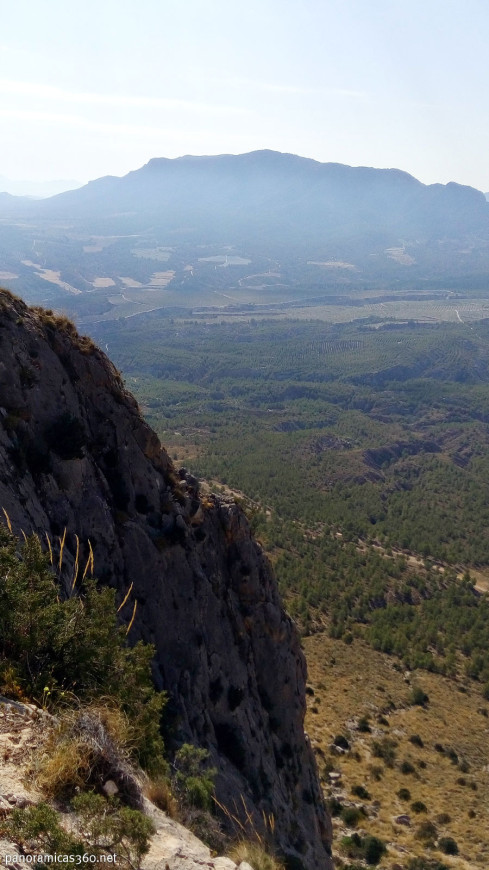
[{"x": 354, "y": 447}]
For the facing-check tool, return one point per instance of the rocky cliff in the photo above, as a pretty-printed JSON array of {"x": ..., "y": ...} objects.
[{"x": 76, "y": 454}]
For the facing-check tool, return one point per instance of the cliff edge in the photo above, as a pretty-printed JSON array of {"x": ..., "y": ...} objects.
[{"x": 76, "y": 454}]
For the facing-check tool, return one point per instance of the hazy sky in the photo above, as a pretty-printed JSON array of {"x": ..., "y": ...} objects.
[{"x": 94, "y": 88}]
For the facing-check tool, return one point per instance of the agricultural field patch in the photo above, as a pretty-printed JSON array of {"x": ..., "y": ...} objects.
[{"x": 103, "y": 282}]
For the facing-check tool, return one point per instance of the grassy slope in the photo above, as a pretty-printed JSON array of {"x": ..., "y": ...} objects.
[{"x": 354, "y": 681}]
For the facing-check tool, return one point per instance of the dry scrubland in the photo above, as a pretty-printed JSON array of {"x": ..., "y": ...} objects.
[{"x": 347, "y": 683}]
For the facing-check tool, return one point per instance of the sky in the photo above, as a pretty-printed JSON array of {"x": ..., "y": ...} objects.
[{"x": 96, "y": 88}]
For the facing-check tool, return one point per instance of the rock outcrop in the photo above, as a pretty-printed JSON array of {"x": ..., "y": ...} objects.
[{"x": 75, "y": 454}]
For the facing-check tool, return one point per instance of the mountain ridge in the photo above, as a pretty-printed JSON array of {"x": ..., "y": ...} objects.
[{"x": 266, "y": 160}]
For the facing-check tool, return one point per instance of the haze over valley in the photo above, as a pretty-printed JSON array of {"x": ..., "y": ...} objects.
[{"x": 262, "y": 231}]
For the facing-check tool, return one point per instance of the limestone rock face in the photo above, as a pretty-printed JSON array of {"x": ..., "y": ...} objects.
[{"x": 76, "y": 454}]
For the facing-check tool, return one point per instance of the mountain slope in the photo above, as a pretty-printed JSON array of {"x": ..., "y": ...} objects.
[
  {"x": 280, "y": 191},
  {"x": 75, "y": 454}
]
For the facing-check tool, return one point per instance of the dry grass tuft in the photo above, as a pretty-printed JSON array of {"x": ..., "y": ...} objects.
[
  {"x": 83, "y": 749},
  {"x": 251, "y": 845},
  {"x": 61, "y": 323},
  {"x": 64, "y": 766},
  {"x": 255, "y": 855},
  {"x": 159, "y": 792}
]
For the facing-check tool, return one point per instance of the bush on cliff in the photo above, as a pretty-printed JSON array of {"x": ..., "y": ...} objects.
[
  {"x": 108, "y": 829},
  {"x": 68, "y": 650}
]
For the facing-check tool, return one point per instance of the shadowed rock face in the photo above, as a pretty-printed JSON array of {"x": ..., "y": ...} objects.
[{"x": 76, "y": 454}]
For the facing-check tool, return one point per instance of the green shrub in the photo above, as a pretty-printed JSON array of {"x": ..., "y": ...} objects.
[
  {"x": 361, "y": 792},
  {"x": 56, "y": 650},
  {"x": 110, "y": 827},
  {"x": 351, "y": 816},
  {"x": 368, "y": 848},
  {"x": 448, "y": 846},
  {"x": 407, "y": 767},
  {"x": 374, "y": 849},
  {"x": 418, "y": 697},
  {"x": 194, "y": 782},
  {"x": 107, "y": 828},
  {"x": 416, "y": 740},
  {"x": 419, "y": 807},
  {"x": 334, "y": 806},
  {"x": 385, "y": 749},
  {"x": 39, "y": 825},
  {"x": 404, "y": 794},
  {"x": 426, "y": 832},
  {"x": 352, "y": 845}
]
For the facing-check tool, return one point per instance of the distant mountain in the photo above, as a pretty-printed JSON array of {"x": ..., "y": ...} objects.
[
  {"x": 7, "y": 199},
  {"x": 37, "y": 189},
  {"x": 289, "y": 227},
  {"x": 248, "y": 193}
]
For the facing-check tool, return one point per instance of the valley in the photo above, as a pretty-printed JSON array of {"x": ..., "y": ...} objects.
[
  {"x": 359, "y": 452},
  {"x": 312, "y": 341}
]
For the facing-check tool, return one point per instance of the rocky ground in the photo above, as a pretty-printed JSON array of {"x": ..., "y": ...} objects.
[{"x": 172, "y": 847}]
